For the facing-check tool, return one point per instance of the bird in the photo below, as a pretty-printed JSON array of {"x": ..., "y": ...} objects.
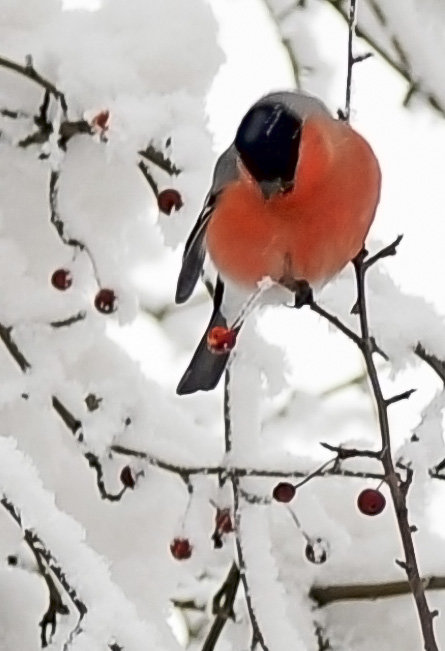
[{"x": 292, "y": 199}]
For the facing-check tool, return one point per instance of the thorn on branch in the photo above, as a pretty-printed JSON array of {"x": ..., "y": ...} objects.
[
  {"x": 404, "y": 485},
  {"x": 399, "y": 397},
  {"x": 348, "y": 453},
  {"x": 336, "y": 322},
  {"x": 434, "y": 362},
  {"x": 387, "y": 251},
  {"x": 362, "y": 57},
  {"x": 156, "y": 157},
  {"x": 413, "y": 88}
]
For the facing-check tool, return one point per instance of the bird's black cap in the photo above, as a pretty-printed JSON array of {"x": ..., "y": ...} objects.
[{"x": 267, "y": 141}]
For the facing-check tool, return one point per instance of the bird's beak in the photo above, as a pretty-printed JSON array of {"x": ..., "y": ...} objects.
[{"x": 276, "y": 186}]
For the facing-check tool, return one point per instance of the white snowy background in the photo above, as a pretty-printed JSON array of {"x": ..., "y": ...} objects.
[{"x": 180, "y": 76}]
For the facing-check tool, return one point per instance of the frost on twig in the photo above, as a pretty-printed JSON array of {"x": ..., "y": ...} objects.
[{"x": 59, "y": 542}]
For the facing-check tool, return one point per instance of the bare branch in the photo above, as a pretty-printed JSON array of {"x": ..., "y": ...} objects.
[
  {"x": 325, "y": 595},
  {"x": 399, "y": 397},
  {"x": 397, "y": 488},
  {"x": 222, "y": 608},
  {"x": 155, "y": 156},
  {"x": 351, "y": 61},
  {"x": 257, "y": 634},
  {"x": 348, "y": 453},
  {"x": 402, "y": 67},
  {"x": 13, "y": 350},
  {"x": 434, "y": 362},
  {"x": 72, "y": 423},
  {"x": 41, "y": 552},
  {"x": 64, "y": 323},
  {"x": 149, "y": 178},
  {"x": 28, "y": 71},
  {"x": 56, "y": 605},
  {"x": 93, "y": 462}
]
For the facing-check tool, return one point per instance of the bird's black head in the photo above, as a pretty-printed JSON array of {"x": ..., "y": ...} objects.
[{"x": 267, "y": 141}]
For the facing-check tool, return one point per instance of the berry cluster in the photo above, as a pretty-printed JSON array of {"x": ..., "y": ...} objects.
[{"x": 105, "y": 300}]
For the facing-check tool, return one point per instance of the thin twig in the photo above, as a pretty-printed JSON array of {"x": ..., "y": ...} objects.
[
  {"x": 235, "y": 481},
  {"x": 349, "y": 453},
  {"x": 13, "y": 350},
  {"x": 56, "y": 605},
  {"x": 434, "y": 362},
  {"x": 93, "y": 462},
  {"x": 160, "y": 160},
  {"x": 72, "y": 423},
  {"x": 256, "y": 630},
  {"x": 351, "y": 61},
  {"x": 38, "y": 547},
  {"x": 414, "y": 85},
  {"x": 59, "y": 224},
  {"x": 71, "y": 320},
  {"x": 222, "y": 607},
  {"x": 234, "y": 471},
  {"x": 397, "y": 488},
  {"x": 149, "y": 178},
  {"x": 28, "y": 71},
  {"x": 325, "y": 595}
]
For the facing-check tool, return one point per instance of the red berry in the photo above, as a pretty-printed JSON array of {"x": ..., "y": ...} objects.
[
  {"x": 221, "y": 340},
  {"x": 127, "y": 477},
  {"x": 371, "y": 501},
  {"x": 61, "y": 279},
  {"x": 284, "y": 492},
  {"x": 181, "y": 549},
  {"x": 223, "y": 524},
  {"x": 169, "y": 199},
  {"x": 101, "y": 120},
  {"x": 223, "y": 521},
  {"x": 105, "y": 301}
]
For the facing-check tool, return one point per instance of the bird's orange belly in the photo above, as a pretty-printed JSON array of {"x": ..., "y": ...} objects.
[{"x": 248, "y": 238}]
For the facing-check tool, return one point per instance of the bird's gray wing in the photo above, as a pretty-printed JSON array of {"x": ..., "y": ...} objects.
[{"x": 226, "y": 170}]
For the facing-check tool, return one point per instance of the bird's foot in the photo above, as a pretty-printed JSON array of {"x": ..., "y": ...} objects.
[{"x": 301, "y": 289}]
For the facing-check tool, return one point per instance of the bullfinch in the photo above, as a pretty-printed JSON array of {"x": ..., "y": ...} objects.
[{"x": 292, "y": 199}]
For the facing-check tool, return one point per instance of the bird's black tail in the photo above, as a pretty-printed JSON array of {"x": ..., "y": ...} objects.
[{"x": 205, "y": 369}]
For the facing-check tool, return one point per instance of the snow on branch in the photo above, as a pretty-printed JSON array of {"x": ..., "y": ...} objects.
[
  {"x": 392, "y": 31},
  {"x": 84, "y": 575}
]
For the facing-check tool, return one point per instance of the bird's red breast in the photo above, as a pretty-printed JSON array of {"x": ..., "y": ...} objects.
[{"x": 311, "y": 232}]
